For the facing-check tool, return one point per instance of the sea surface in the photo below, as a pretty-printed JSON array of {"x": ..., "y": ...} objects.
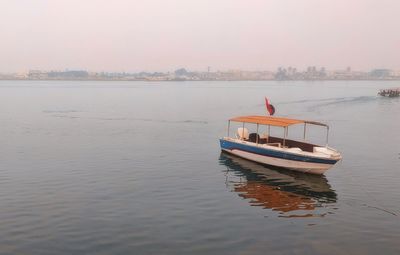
[{"x": 136, "y": 168}]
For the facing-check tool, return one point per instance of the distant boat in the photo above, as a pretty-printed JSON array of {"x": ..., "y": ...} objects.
[
  {"x": 280, "y": 152},
  {"x": 393, "y": 92}
]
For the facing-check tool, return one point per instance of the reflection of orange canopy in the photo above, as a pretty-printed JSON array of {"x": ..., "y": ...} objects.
[
  {"x": 273, "y": 198},
  {"x": 273, "y": 121}
]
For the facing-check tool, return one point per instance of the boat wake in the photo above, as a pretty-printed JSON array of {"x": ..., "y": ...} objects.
[
  {"x": 326, "y": 102},
  {"x": 128, "y": 119},
  {"x": 343, "y": 101},
  {"x": 61, "y": 111},
  {"x": 312, "y": 100},
  {"x": 173, "y": 121}
]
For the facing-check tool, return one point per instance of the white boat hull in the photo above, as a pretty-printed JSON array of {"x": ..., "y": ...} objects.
[{"x": 304, "y": 167}]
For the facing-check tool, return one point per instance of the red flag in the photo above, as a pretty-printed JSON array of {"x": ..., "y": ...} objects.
[{"x": 270, "y": 107}]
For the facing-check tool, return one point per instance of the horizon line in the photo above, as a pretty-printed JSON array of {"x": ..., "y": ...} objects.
[{"x": 318, "y": 68}]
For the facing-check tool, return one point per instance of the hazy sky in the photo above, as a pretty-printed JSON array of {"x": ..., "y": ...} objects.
[{"x": 151, "y": 35}]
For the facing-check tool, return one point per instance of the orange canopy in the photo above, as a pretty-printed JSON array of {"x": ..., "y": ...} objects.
[{"x": 273, "y": 121}]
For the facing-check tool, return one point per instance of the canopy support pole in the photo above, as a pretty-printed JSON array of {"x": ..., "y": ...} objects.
[
  {"x": 257, "y": 134},
  {"x": 269, "y": 129},
  {"x": 284, "y": 136},
  {"x": 327, "y": 135},
  {"x": 243, "y": 132},
  {"x": 304, "y": 135}
]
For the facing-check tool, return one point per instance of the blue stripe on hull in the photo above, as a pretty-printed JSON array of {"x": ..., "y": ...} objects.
[{"x": 228, "y": 145}]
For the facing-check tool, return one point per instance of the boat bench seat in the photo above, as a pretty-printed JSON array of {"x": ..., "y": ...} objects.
[
  {"x": 293, "y": 144},
  {"x": 294, "y": 149},
  {"x": 275, "y": 144},
  {"x": 278, "y": 142},
  {"x": 262, "y": 141}
]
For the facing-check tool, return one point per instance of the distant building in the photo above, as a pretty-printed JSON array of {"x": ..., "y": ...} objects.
[
  {"x": 396, "y": 74},
  {"x": 37, "y": 75},
  {"x": 68, "y": 75},
  {"x": 380, "y": 73},
  {"x": 181, "y": 72}
]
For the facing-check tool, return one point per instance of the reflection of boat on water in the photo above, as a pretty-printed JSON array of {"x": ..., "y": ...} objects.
[{"x": 280, "y": 190}]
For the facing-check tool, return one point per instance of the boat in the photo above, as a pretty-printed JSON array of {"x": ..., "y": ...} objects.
[
  {"x": 276, "y": 151},
  {"x": 393, "y": 92}
]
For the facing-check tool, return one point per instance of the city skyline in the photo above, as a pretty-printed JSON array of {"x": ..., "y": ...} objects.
[
  {"x": 182, "y": 74},
  {"x": 208, "y": 68},
  {"x": 160, "y": 35}
]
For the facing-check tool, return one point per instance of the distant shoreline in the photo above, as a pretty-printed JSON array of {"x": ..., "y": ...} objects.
[
  {"x": 312, "y": 73},
  {"x": 137, "y": 80}
]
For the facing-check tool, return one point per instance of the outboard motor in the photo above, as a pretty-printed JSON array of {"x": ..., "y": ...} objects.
[{"x": 242, "y": 133}]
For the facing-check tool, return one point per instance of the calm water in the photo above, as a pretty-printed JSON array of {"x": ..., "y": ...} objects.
[{"x": 135, "y": 168}]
